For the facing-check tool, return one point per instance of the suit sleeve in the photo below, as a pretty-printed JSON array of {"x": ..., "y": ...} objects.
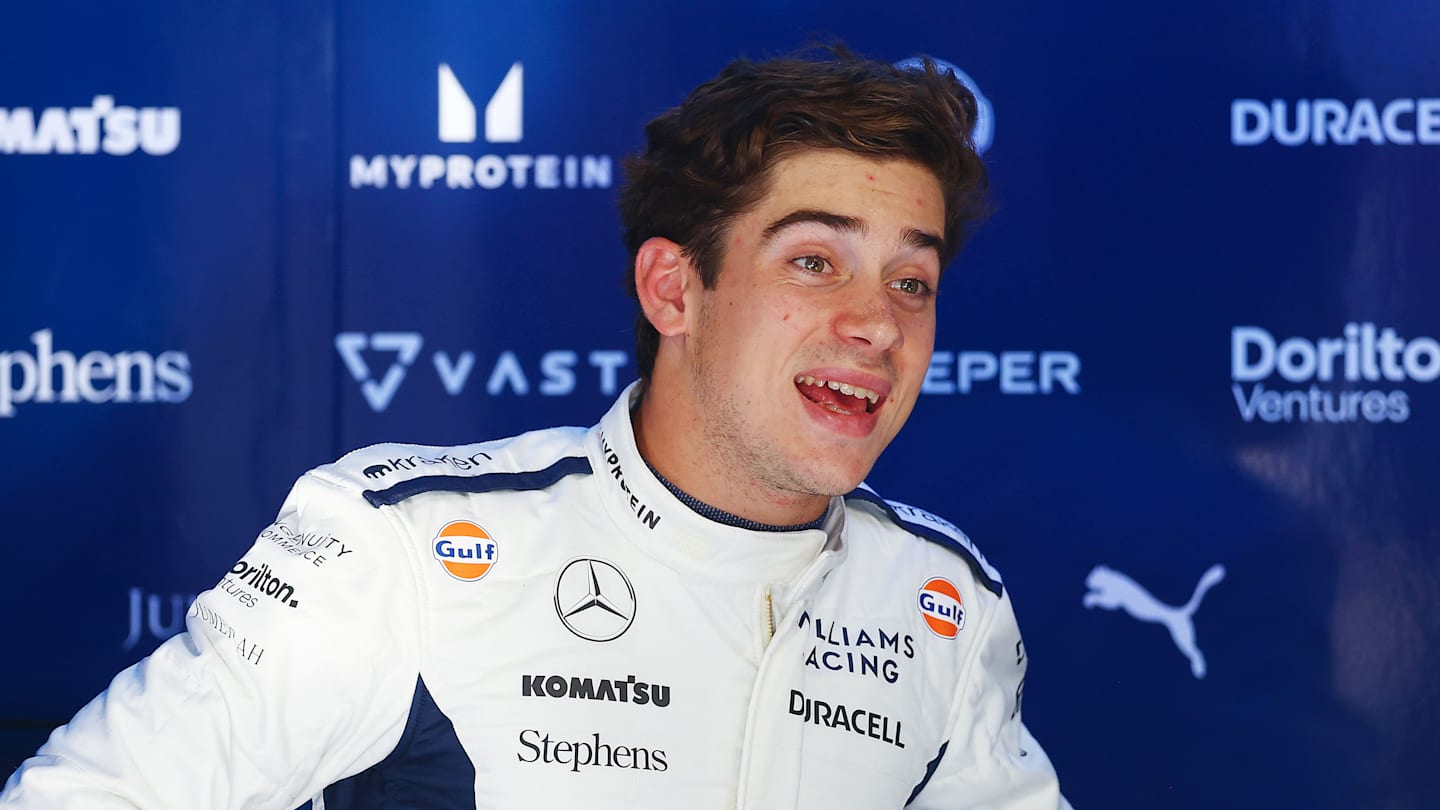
[
  {"x": 991, "y": 761},
  {"x": 295, "y": 671}
]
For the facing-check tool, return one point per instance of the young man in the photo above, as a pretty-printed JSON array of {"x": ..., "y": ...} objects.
[{"x": 694, "y": 603}]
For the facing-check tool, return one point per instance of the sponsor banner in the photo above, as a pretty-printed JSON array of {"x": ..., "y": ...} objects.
[
  {"x": 47, "y": 375},
  {"x": 1012, "y": 372},
  {"x": 504, "y": 123},
  {"x": 101, "y": 128},
  {"x": 1322, "y": 121},
  {"x": 555, "y": 373},
  {"x": 1358, "y": 375}
]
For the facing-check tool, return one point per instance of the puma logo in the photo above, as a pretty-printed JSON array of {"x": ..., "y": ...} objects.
[{"x": 1111, "y": 589}]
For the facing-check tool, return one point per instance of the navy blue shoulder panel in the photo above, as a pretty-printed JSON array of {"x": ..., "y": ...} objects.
[
  {"x": 428, "y": 770},
  {"x": 490, "y": 482},
  {"x": 935, "y": 536}
]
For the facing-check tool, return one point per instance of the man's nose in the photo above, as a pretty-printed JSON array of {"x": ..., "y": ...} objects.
[{"x": 868, "y": 318}]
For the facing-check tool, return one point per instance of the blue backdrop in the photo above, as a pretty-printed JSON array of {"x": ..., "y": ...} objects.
[{"x": 1185, "y": 372}]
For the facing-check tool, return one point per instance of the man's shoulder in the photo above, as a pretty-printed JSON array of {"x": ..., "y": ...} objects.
[
  {"x": 924, "y": 526},
  {"x": 385, "y": 474}
]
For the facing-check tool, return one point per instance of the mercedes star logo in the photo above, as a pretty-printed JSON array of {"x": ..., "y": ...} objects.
[{"x": 594, "y": 599}]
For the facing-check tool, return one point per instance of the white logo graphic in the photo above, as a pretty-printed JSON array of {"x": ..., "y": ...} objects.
[
  {"x": 983, "y": 133},
  {"x": 1319, "y": 121},
  {"x": 594, "y": 599},
  {"x": 556, "y": 369},
  {"x": 1016, "y": 372},
  {"x": 94, "y": 377},
  {"x": 101, "y": 127},
  {"x": 1362, "y": 354},
  {"x": 1111, "y": 589},
  {"x": 504, "y": 124},
  {"x": 504, "y": 115},
  {"x": 406, "y": 345}
]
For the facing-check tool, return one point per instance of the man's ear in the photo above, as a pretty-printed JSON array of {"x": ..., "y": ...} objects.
[{"x": 662, "y": 274}]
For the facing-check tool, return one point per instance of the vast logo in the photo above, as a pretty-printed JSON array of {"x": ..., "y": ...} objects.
[
  {"x": 95, "y": 377},
  {"x": 378, "y": 393},
  {"x": 466, "y": 551},
  {"x": 594, "y": 599},
  {"x": 1320, "y": 121},
  {"x": 941, "y": 607},
  {"x": 1362, "y": 354},
  {"x": 504, "y": 124},
  {"x": 101, "y": 127},
  {"x": 983, "y": 132},
  {"x": 556, "y": 370},
  {"x": 1111, "y": 589}
]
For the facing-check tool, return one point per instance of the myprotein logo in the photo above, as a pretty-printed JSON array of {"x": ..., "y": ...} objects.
[
  {"x": 47, "y": 375},
  {"x": 1330, "y": 121},
  {"x": 983, "y": 132},
  {"x": 1009, "y": 373},
  {"x": 1350, "y": 377},
  {"x": 504, "y": 124},
  {"x": 504, "y": 115},
  {"x": 555, "y": 373},
  {"x": 102, "y": 127}
]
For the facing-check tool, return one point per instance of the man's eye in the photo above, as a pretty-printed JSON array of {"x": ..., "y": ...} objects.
[
  {"x": 812, "y": 264},
  {"x": 911, "y": 286}
]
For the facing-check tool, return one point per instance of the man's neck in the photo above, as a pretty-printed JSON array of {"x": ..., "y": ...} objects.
[{"x": 664, "y": 437}]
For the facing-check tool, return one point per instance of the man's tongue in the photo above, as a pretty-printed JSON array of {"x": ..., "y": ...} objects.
[{"x": 835, "y": 400}]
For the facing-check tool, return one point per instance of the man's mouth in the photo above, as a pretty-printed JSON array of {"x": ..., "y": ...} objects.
[{"x": 842, "y": 398}]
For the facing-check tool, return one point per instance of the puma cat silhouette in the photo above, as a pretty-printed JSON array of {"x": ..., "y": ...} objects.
[{"x": 1110, "y": 589}]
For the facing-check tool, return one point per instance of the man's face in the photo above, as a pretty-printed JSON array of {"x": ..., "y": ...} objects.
[{"x": 808, "y": 354}]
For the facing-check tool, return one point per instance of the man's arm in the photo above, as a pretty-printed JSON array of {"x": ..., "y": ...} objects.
[
  {"x": 296, "y": 671},
  {"x": 991, "y": 760}
]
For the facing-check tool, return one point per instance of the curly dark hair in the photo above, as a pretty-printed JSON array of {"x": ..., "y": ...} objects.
[{"x": 709, "y": 160}]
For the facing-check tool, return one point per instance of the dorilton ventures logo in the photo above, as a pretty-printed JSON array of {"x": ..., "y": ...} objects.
[
  {"x": 1320, "y": 121},
  {"x": 553, "y": 374},
  {"x": 101, "y": 127},
  {"x": 504, "y": 124},
  {"x": 1362, "y": 354},
  {"x": 47, "y": 375}
]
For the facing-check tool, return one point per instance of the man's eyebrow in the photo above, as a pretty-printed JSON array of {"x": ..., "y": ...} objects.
[
  {"x": 838, "y": 222},
  {"x": 913, "y": 237},
  {"x": 918, "y": 239}
]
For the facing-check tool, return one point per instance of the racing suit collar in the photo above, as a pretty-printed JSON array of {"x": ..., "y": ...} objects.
[{"x": 677, "y": 536}]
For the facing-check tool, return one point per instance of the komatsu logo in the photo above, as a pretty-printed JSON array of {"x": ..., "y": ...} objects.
[
  {"x": 504, "y": 124},
  {"x": 1362, "y": 354},
  {"x": 100, "y": 127},
  {"x": 1405, "y": 121}
]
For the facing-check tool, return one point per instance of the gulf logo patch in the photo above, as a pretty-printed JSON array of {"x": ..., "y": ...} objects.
[
  {"x": 941, "y": 607},
  {"x": 467, "y": 551}
]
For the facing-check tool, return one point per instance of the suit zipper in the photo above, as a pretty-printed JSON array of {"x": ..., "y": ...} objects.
[{"x": 769, "y": 616}]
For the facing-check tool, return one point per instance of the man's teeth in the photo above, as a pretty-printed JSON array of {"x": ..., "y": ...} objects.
[{"x": 844, "y": 388}]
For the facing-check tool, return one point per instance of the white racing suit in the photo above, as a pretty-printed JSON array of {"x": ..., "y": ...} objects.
[{"x": 538, "y": 622}]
